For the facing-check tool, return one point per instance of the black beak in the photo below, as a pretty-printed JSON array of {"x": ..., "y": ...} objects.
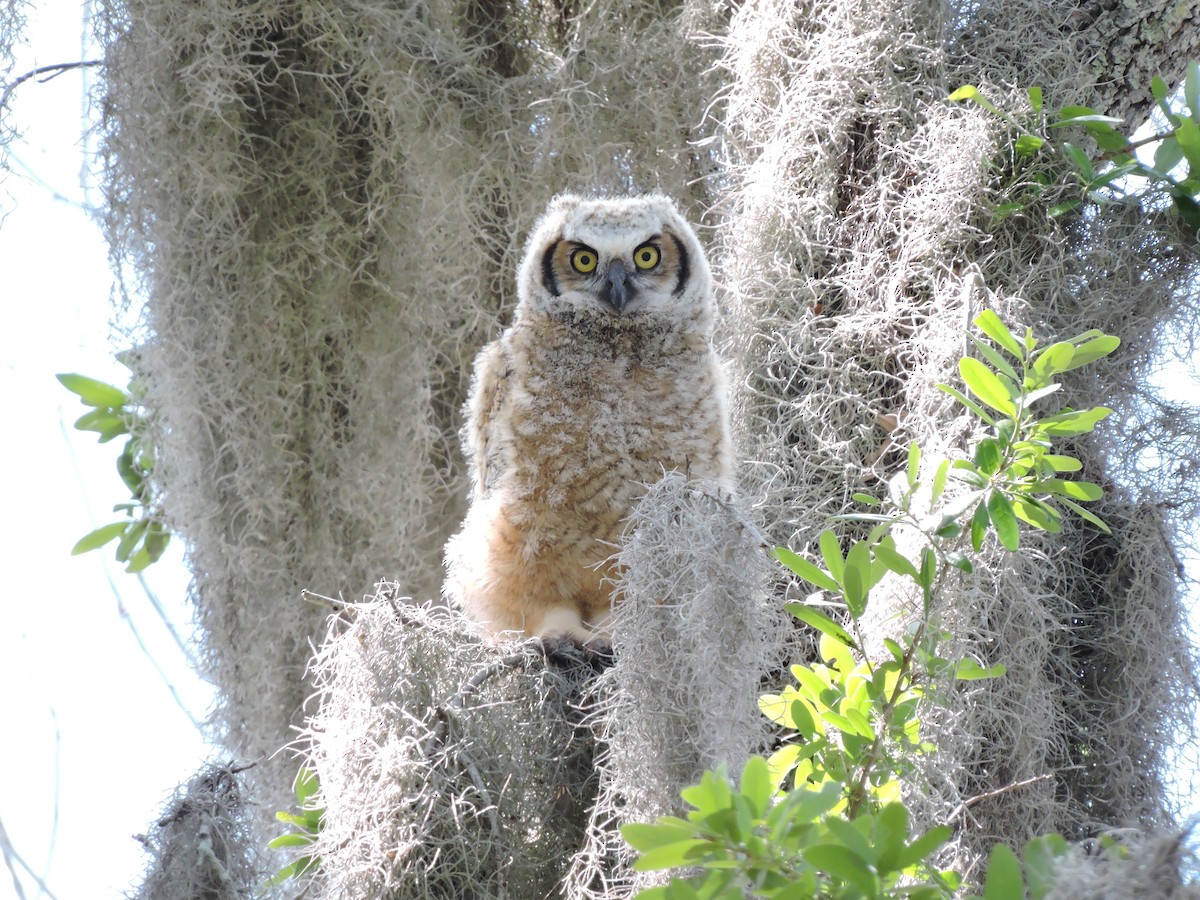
[{"x": 616, "y": 290}]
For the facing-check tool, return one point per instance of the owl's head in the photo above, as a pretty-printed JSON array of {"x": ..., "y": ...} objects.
[{"x": 629, "y": 261}]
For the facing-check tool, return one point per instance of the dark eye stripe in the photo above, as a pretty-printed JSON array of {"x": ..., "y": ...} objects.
[
  {"x": 548, "y": 278},
  {"x": 684, "y": 267}
]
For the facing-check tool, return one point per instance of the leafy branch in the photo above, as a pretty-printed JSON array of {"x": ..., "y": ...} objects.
[
  {"x": 823, "y": 816},
  {"x": 305, "y": 827},
  {"x": 142, "y": 535},
  {"x": 1178, "y": 145}
]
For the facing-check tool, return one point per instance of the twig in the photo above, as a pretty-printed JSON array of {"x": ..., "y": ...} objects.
[
  {"x": 12, "y": 859},
  {"x": 167, "y": 623},
  {"x": 57, "y": 69},
  {"x": 967, "y": 804},
  {"x": 449, "y": 711},
  {"x": 1133, "y": 145},
  {"x": 321, "y": 600}
]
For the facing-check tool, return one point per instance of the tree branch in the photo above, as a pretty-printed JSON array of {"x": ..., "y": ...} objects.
[
  {"x": 968, "y": 803},
  {"x": 56, "y": 70}
]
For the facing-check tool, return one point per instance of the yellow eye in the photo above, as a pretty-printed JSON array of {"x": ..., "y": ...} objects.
[
  {"x": 583, "y": 261},
  {"x": 646, "y": 257}
]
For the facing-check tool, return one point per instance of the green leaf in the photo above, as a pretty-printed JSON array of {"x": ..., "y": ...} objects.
[
  {"x": 668, "y": 856},
  {"x": 129, "y": 473},
  {"x": 979, "y": 525},
  {"x": 307, "y": 785},
  {"x": 960, "y": 561},
  {"x": 969, "y": 670},
  {"x": 91, "y": 391},
  {"x": 836, "y": 654},
  {"x": 1035, "y": 98},
  {"x": 948, "y": 529},
  {"x": 132, "y": 535},
  {"x": 806, "y": 570},
  {"x": 1084, "y": 514},
  {"x": 98, "y": 538},
  {"x": 1076, "y": 490},
  {"x": 156, "y": 542},
  {"x": 851, "y": 838},
  {"x": 1081, "y": 160},
  {"x": 1189, "y": 210},
  {"x": 294, "y": 869},
  {"x": 891, "y": 831},
  {"x": 992, "y": 325},
  {"x": 807, "y": 804},
  {"x": 1034, "y": 396},
  {"x": 913, "y": 468},
  {"x": 1188, "y": 135},
  {"x": 1038, "y": 514},
  {"x": 810, "y": 682},
  {"x": 987, "y": 456},
  {"x": 821, "y": 622},
  {"x": 1004, "y": 881},
  {"x": 645, "y": 836},
  {"x": 964, "y": 470},
  {"x": 895, "y": 649},
  {"x": 984, "y": 384},
  {"x": 710, "y": 795},
  {"x": 997, "y": 360},
  {"x": 1083, "y": 115},
  {"x": 968, "y": 403},
  {"x": 1116, "y": 173},
  {"x": 923, "y": 846},
  {"x": 857, "y": 578},
  {"x": 1054, "y": 359},
  {"x": 1062, "y": 463},
  {"x": 1059, "y": 209},
  {"x": 887, "y": 553},
  {"x": 1001, "y": 513},
  {"x": 756, "y": 784},
  {"x": 939, "y": 481},
  {"x": 1068, "y": 113},
  {"x": 970, "y": 92},
  {"x": 865, "y": 499},
  {"x": 139, "y": 561},
  {"x": 1168, "y": 155},
  {"x": 1028, "y": 144},
  {"x": 831, "y": 553},
  {"x": 928, "y": 570},
  {"x": 290, "y": 840},
  {"x": 1158, "y": 88},
  {"x": 104, "y": 422},
  {"x": 1042, "y": 855},
  {"x": 299, "y": 821},
  {"x": 1071, "y": 423},
  {"x": 1091, "y": 351},
  {"x": 843, "y": 864},
  {"x": 803, "y": 721},
  {"x": 681, "y": 890}
]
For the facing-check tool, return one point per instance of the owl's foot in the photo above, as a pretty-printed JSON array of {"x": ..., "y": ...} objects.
[{"x": 568, "y": 650}]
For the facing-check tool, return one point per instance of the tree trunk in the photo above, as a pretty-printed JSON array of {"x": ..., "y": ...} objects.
[{"x": 322, "y": 206}]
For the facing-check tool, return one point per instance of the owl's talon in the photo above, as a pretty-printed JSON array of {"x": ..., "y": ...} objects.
[
  {"x": 600, "y": 653},
  {"x": 568, "y": 650}
]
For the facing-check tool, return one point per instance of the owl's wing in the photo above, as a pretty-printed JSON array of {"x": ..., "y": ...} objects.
[{"x": 489, "y": 391}]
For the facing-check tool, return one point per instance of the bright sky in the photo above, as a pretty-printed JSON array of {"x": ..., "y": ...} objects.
[{"x": 96, "y": 741}]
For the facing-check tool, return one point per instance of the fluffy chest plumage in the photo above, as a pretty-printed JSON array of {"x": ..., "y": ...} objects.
[{"x": 593, "y": 417}]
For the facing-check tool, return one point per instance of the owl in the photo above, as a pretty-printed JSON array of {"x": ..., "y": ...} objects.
[{"x": 606, "y": 380}]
